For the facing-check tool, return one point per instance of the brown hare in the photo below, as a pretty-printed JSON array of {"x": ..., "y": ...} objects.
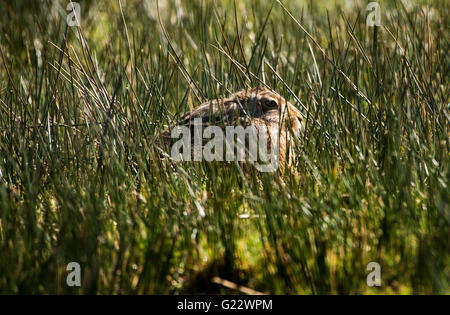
[{"x": 258, "y": 107}]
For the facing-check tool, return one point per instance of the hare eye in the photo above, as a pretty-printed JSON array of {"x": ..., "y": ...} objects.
[{"x": 271, "y": 104}]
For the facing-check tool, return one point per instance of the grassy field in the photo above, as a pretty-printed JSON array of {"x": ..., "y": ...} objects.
[{"x": 81, "y": 179}]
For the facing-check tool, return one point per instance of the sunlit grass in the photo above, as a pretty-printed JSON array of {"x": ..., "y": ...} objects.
[{"x": 81, "y": 178}]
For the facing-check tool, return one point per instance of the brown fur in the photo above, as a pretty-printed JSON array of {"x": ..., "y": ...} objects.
[{"x": 257, "y": 106}]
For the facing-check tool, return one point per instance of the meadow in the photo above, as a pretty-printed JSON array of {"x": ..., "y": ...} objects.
[{"x": 82, "y": 179}]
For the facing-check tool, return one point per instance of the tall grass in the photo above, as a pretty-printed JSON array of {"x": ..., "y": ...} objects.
[{"x": 81, "y": 177}]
